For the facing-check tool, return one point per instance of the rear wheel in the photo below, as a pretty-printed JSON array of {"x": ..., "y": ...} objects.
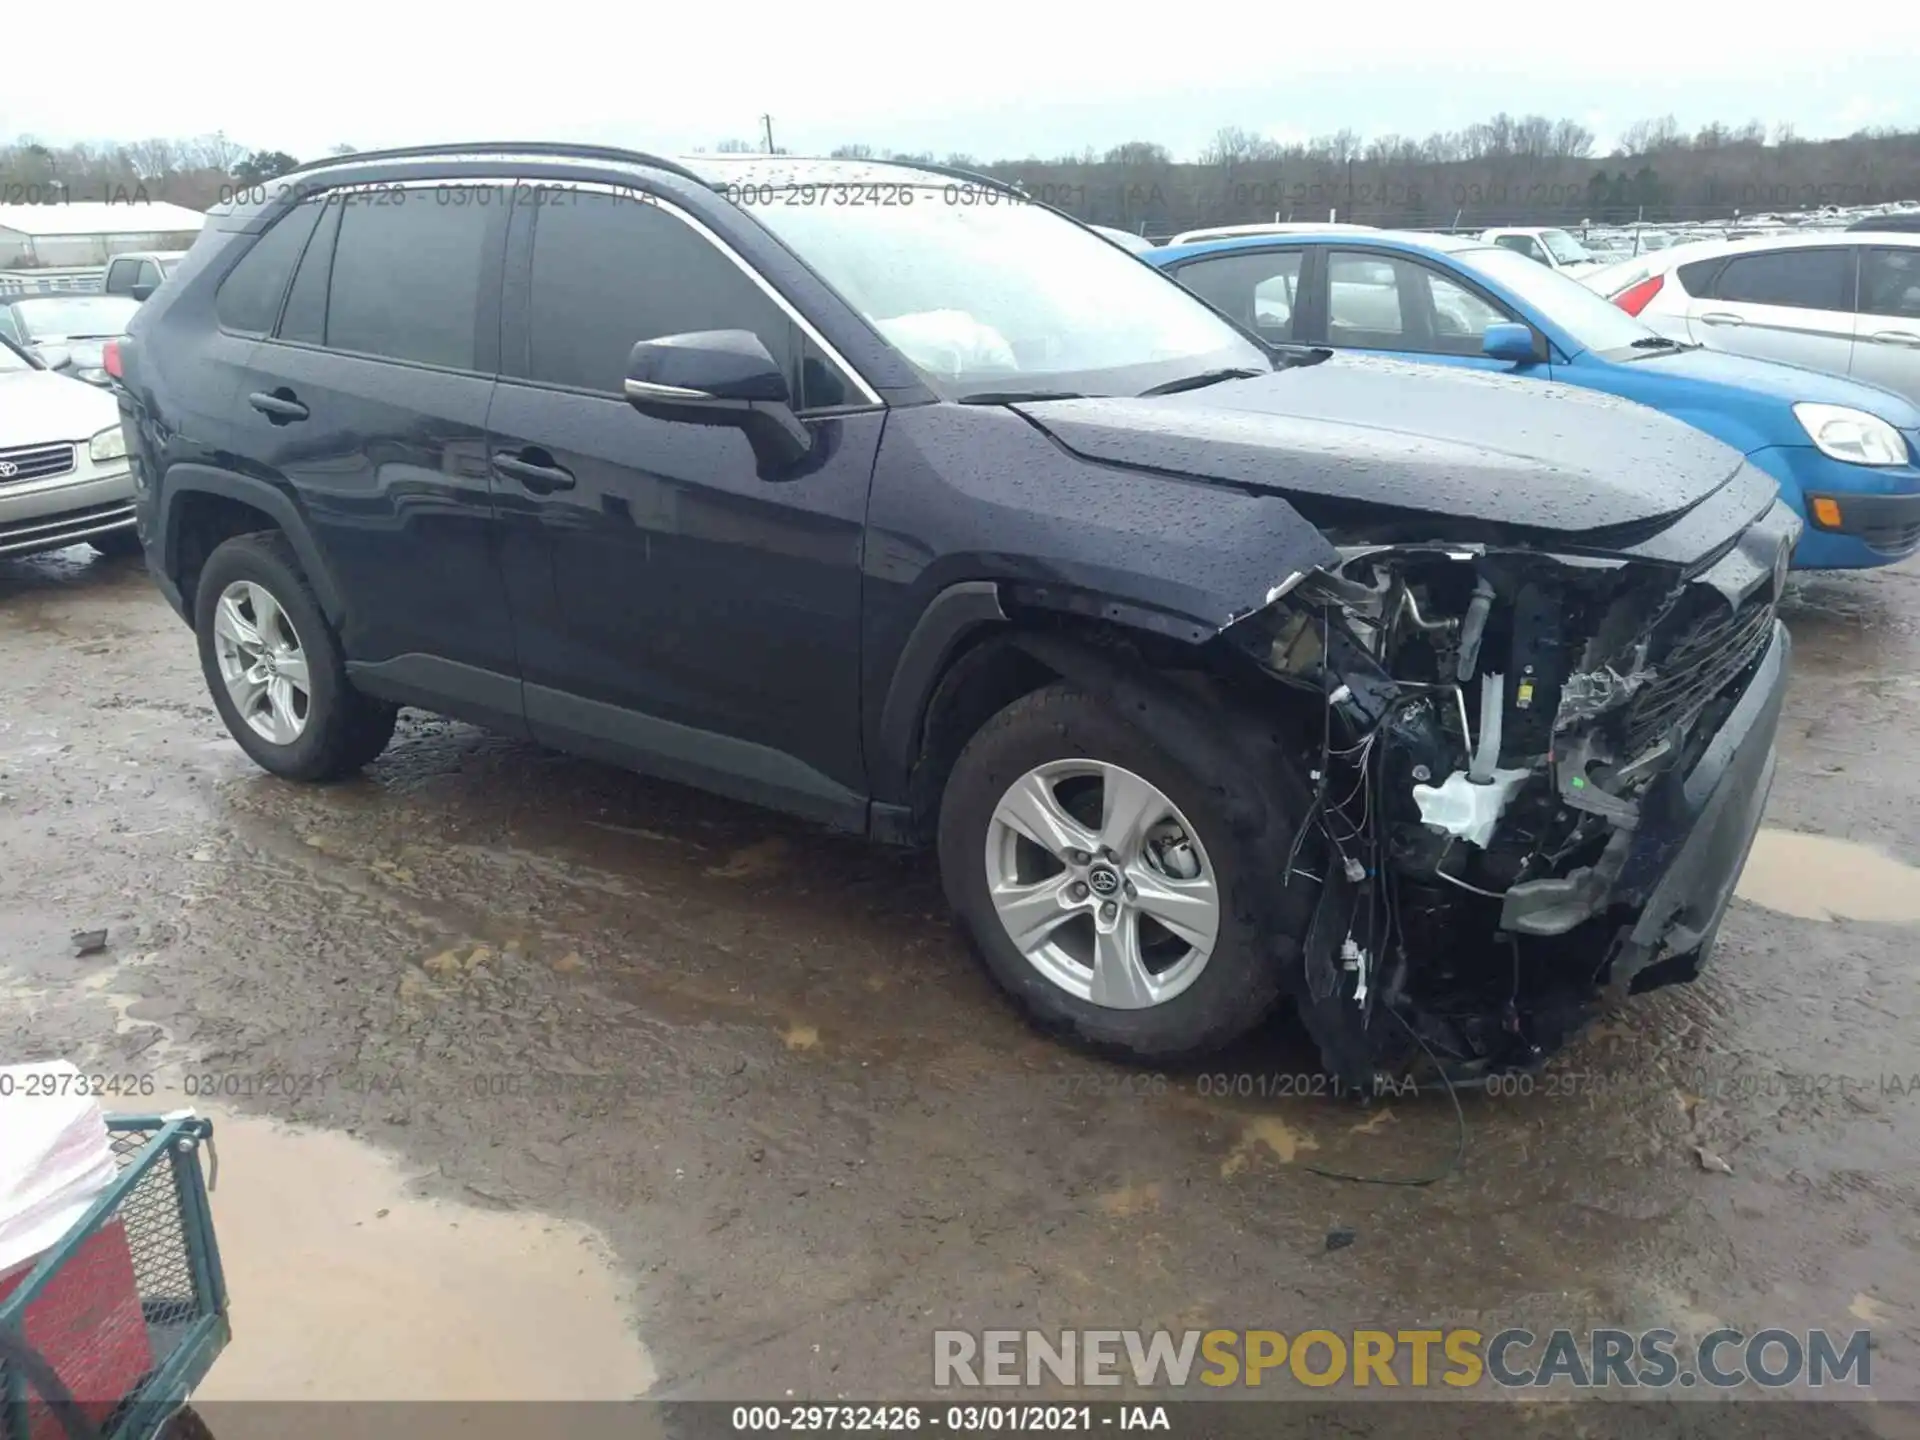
[
  {"x": 274, "y": 665},
  {"x": 1101, "y": 883}
]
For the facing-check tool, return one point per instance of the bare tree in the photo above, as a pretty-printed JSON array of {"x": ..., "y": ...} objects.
[
  {"x": 1234, "y": 145},
  {"x": 1650, "y": 137},
  {"x": 154, "y": 159},
  {"x": 851, "y": 152},
  {"x": 1138, "y": 153},
  {"x": 217, "y": 152},
  {"x": 1571, "y": 140},
  {"x": 736, "y": 147}
]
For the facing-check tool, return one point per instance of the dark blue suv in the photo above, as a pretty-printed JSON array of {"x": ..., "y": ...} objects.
[{"x": 1218, "y": 672}]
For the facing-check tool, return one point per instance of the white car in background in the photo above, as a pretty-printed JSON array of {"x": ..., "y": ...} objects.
[
  {"x": 64, "y": 476},
  {"x": 1125, "y": 239},
  {"x": 1293, "y": 227},
  {"x": 1553, "y": 248},
  {"x": 1847, "y": 302}
]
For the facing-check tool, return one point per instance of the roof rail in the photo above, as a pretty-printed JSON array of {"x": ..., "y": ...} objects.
[{"x": 514, "y": 147}]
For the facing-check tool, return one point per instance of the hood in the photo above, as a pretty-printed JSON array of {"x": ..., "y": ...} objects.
[
  {"x": 42, "y": 407},
  {"x": 1780, "y": 381},
  {"x": 1492, "y": 448},
  {"x": 88, "y": 352}
]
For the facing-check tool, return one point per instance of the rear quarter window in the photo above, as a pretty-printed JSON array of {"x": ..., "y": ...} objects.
[{"x": 248, "y": 301}]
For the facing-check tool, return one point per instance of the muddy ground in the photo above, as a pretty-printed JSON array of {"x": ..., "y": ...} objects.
[{"x": 720, "y": 1103}]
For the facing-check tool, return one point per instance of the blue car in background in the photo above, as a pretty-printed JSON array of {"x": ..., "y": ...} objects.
[{"x": 1843, "y": 452}]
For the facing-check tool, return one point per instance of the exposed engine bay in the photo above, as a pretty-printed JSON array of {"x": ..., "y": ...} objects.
[{"x": 1505, "y": 738}]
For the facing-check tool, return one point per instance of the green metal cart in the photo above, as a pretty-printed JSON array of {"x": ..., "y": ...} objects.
[{"x": 109, "y": 1333}]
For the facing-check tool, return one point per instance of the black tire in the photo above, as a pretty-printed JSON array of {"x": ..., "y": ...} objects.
[
  {"x": 1240, "y": 984},
  {"x": 118, "y": 544},
  {"x": 344, "y": 729}
]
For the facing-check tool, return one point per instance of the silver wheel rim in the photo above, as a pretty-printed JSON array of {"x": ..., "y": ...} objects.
[
  {"x": 262, "y": 662},
  {"x": 1102, "y": 884}
]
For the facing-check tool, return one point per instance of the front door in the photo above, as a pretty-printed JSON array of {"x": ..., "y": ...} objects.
[
  {"x": 1389, "y": 303},
  {"x": 675, "y": 611},
  {"x": 1886, "y": 343}
]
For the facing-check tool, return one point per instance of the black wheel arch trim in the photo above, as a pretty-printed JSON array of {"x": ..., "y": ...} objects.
[
  {"x": 936, "y": 637},
  {"x": 190, "y": 479}
]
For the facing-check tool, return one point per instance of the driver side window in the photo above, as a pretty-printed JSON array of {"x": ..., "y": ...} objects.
[{"x": 1380, "y": 302}]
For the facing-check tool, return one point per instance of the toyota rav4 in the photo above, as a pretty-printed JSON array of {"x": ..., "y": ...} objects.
[{"x": 1441, "y": 705}]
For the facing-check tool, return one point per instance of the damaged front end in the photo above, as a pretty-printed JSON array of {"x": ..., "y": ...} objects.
[{"x": 1535, "y": 783}]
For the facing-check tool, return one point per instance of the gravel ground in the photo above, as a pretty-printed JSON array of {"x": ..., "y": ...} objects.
[{"x": 747, "y": 1073}]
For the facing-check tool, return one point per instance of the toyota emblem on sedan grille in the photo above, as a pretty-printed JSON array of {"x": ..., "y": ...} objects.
[{"x": 8, "y": 469}]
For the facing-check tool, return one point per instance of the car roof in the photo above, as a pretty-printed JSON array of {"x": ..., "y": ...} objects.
[
  {"x": 1675, "y": 256},
  {"x": 1420, "y": 240},
  {"x": 20, "y": 297}
]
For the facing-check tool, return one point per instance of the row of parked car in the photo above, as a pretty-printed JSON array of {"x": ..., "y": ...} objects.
[{"x": 1802, "y": 351}]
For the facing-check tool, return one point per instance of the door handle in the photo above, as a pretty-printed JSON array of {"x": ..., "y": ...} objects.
[
  {"x": 280, "y": 407},
  {"x": 1896, "y": 337},
  {"x": 1721, "y": 317},
  {"x": 541, "y": 479}
]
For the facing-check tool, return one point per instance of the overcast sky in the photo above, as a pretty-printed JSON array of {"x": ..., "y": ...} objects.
[{"x": 988, "y": 77}]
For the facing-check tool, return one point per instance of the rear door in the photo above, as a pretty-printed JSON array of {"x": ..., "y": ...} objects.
[
  {"x": 1794, "y": 304},
  {"x": 368, "y": 399},
  {"x": 1886, "y": 348}
]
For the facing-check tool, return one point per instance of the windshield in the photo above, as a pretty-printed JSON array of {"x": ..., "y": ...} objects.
[
  {"x": 11, "y": 359},
  {"x": 1564, "y": 248},
  {"x": 986, "y": 293},
  {"x": 1585, "y": 319},
  {"x": 69, "y": 317}
]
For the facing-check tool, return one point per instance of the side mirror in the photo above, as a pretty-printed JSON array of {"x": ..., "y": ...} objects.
[
  {"x": 1510, "y": 341},
  {"x": 142, "y": 290},
  {"x": 720, "y": 377},
  {"x": 54, "y": 357}
]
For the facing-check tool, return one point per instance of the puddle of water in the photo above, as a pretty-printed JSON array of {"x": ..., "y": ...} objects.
[
  {"x": 1817, "y": 877},
  {"x": 346, "y": 1286}
]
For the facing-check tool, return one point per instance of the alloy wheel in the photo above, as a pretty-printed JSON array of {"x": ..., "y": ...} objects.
[
  {"x": 1102, "y": 884},
  {"x": 262, "y": 662}
]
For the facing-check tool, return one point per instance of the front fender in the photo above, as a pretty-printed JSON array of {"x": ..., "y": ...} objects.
[{"x": 970, "y": 505}]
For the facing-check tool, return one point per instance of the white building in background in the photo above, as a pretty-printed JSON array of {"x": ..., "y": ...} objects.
[{"x": 87, "y": 233}]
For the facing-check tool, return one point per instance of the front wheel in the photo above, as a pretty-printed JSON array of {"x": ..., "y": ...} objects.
[{"x": 1101, "y": 883}]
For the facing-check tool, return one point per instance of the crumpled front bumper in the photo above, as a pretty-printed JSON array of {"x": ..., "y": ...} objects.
[
  {"x": 1676, "y": 869},
  {"x": 1695, "y": 834}
]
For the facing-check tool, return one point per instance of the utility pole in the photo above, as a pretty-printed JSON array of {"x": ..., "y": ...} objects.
[{"x": 766, "y": 122}]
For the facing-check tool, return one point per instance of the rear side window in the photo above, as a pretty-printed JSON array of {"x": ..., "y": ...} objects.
[
  {"x": 305, "y": 318},
  {"x": 1890, "y": 283},
  {"x": 249, "y": 298},
  {"x": 1697, "y": 276},
  {"x": 149, "y": 273},
  {"x": 1259, "y": 290},
  {"x": 406, "y": 277},
  {"x": 610, "y": 270},
  {"x": 1802, "y": 279}
]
